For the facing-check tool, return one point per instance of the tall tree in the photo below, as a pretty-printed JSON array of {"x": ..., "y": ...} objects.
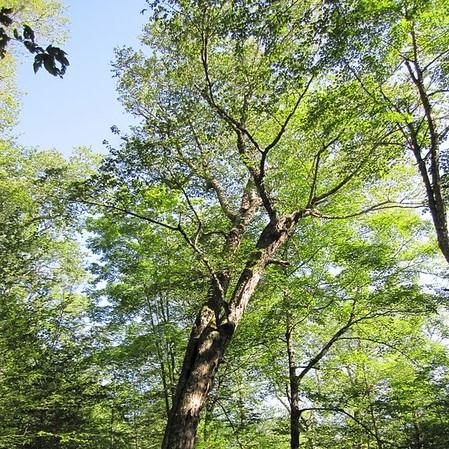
[
  {"x": 246, "y": 133},
  {"x": 398, "y": 51},
  {"x": 358, "y": 276},
  {"x": 46, "y": 391}
]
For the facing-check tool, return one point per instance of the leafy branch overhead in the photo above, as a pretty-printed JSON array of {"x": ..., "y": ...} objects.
[
  {"x": 53, "y": 59},
  {"x": 254, "y": 263}
]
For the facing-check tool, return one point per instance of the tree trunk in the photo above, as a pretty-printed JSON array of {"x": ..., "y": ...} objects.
[
  {"x": 200, "y": 365},
  {"x": 212, "y": 333},
  {"x": 295, "y": 413},
  {"x": 431, "y": 174}
]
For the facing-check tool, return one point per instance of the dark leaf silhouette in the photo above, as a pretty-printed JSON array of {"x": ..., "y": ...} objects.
[
  {"x": 52, "y": 58},
  {"x": 4, "y": 16},
  {"x": 28, "y": 33}
]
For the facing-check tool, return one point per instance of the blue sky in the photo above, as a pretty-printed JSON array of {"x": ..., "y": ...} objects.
[{"x": 80, "y": 108}]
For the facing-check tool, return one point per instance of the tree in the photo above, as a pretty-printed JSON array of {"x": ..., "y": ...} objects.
[
  {"x": 46, "y": 391},
  {"x": 398, "y": 51},
  {"x": 355, "y": 277},
  {"x": 393, "y": 401},
  {"x": 246, "y": 133}
]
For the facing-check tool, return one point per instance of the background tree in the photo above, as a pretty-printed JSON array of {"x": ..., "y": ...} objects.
[
  {"x": 47, "y": 389},
  {"x": 398, "y": 52}
]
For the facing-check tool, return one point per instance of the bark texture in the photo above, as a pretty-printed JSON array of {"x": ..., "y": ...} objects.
[{"x": 212, "y": 332}]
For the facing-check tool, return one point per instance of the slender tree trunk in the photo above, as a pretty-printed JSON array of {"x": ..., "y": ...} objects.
[
  {"x": 213, "y": 330},
  {"x": 434, "y": 195},
  {"x": 431, "y": 175},
  {"x": 296, "y": 376},
  {"x": 111, "y": 427},
  {"x": 295, "y": 413}
]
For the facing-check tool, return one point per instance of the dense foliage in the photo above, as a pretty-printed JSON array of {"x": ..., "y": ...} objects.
[{"x": 262, "y": 263}]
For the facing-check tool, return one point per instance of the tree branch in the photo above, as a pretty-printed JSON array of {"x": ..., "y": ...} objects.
[
  {"x": 352, "y": 174},
  {"x": 340, "y": 410},
  {"x": 210, "y": 98},
  {"x": 379, "y": 206},
  {"x": 130, "y": 213},
  {"x": 210, "y": 180},
  {"x": 289, "y": 117}
]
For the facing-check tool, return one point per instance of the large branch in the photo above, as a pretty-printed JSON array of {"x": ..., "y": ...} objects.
[
  {"x": 289, "y": 117},
  {"x": 242, "y": 132},
  {"x": 209, "y": 178},
  {"x": 432, "y": 180},
  {"x": 315, "y": 169},
  {"x": 319, "y": 198},
  {"x": 324, "y": 350},
  {"x": 258, "y": 177}
]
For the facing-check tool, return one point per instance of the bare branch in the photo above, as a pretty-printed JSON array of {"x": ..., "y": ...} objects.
[
  {"x": 327, "y": 346},
  {"x": 438, "y": 91},
  {"x": 316, "y": 200},
  {"x": 289, "y": 117},
  {"x": 234, "y": 429},
  {"x": 192, "y": 208},
  {"x": 376, "y": 207},
  {"x": 130, "y": 213},
  {"x": 177, "y": 228}
]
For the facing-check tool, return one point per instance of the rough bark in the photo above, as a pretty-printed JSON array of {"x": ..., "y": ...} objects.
[{"x": 212, "y": 333}]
